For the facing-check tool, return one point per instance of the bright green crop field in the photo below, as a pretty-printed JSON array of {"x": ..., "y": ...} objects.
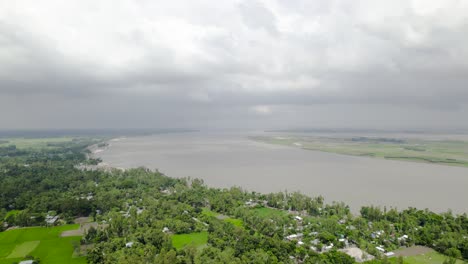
[
  {"x": 44, "y": 243},
  {"x": 198, "y": 239}
]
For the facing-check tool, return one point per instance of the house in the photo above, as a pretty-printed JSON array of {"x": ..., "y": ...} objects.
[
  {"x": 381, "y": 249},
  {"x": 251, "y": 203},
  {"x": 298, "y": 218},
  {"x": 404, "y": 237},
  {"x": 50, "y": 220},
  {"x": 389, "y": 254},
  {"x": 26, "y": 262},
  {"x": 129, "y": 244},
  {"x": 294, "y": 236},
  {"x": 326, "y": 248},
  {"x": 300, "y": 243},
  {"x": 166, "y": 230}
]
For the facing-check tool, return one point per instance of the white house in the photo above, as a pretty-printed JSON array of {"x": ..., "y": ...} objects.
[
  {"x": 381, "y": 249},
  {"x": 326, "y": 248},
  {"x": 294, "y": 236},
  {"x": 404, "y": 237},
  {"x": 50, "y": 220},
  {"x": 129, "y": 244}
]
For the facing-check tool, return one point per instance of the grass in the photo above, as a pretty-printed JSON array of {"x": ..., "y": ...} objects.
[
  {"x": 42, "y": 242},
  {"x": 208, "y": 212},
  {"x": 23, "y": 249},
  {"x": 198, "y": 239},
  {"x": 234, "y": 221},
  {"x": 446, "y": 152},
  {"x": 428, "y": 258},
  {"x": 34, "y": 143},
  {"x": 268, "y": 212}
]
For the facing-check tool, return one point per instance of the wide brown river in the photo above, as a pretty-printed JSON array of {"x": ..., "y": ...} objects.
[{"x": 228, "y": 160}]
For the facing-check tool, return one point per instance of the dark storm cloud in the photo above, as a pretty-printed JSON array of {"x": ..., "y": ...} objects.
[{"x": 233, "y": 64}]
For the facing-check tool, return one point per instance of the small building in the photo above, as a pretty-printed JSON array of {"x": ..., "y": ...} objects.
[
  {"x": 381, "y": 249},
  {"x": 166, "y": 230},
  {"x": 403, "y": 238},
  {"x": 390, "y": 254},
  {"x": 294, "y": 236},
  {"x": 326, "y": 248},
  {"x": 129, "y": 244},
  {"x": 50, "y": 220},
  {"x": 298, "y": 218},
  {"x": 30, "y": 261}
]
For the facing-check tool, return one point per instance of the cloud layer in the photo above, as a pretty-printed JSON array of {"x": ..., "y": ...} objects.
[{"x": 233, "y": 64}]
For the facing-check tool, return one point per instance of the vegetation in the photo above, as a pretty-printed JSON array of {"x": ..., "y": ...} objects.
[
  {"x": 143, "y": 216},
  {"x": 40, "y": 242},
  {"x": 446, "y": 152},
  {"x": 194, "y": 239}
]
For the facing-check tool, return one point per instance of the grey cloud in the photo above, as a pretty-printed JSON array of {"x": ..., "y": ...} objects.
[
  {"x": 196, "y": 64},
  {"x": 256, "y": 15}
]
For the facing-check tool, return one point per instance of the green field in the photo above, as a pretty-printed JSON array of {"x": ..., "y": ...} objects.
[
  {"x": 446, "y": 152},
  {"x": 234, "y": 221},
  {"x": 23, "y": 249},
  {"x": 428, "y": 258},
  {"x": 44, "y": 243},
  {"x": 208, "y": 212},
  {"x": 33, "y": 143},
  {"x": 197, "y": 239}
]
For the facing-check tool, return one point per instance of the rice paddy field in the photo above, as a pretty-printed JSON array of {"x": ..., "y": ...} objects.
[
  {"x": 44, "y": 243},
  {"x": 198, "y": 239},
  {"x": 437, "y": 151}
]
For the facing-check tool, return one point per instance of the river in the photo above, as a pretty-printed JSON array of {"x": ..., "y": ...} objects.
[{"x": 225, "y": 160}]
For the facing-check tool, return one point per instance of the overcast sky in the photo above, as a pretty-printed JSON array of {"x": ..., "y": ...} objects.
[{"x": 256, "y": 64}]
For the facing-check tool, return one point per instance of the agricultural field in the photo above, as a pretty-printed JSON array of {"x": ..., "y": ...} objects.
[
  {"x": 446, "y": 152},
  {"x": 234, "y": 221},
  {"x": 44, "y": 243},
  {"x": 198, "y": 239},
  {"x": 428, "y": 258},
  {"x": 268, "y": 212},
  {"x": 420, "y": 255}
]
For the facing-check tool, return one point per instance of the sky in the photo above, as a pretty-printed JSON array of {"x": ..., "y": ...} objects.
[{"x": 242, "y": 64}]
